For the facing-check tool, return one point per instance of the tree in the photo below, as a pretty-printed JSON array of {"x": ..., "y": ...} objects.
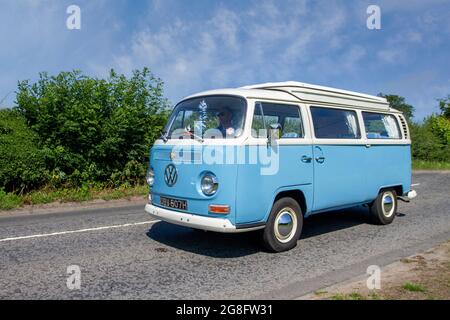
[
  {"x": 398, "y": 102},
  {"x": 22, "y": 163},
  {"x": 444, "y": 105},
  {"x": 95, "y": 129}
]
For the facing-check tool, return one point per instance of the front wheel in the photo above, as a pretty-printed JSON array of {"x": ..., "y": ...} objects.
[
  {"x": 384, "y": 208},
  {"x": 284, "y": 225}
]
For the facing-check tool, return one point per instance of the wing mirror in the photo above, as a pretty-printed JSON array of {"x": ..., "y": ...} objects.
[{"x": 274, "y": 133}]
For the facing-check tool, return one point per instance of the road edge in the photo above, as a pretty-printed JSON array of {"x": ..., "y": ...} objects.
[
  {"x": 301, "y": 288},
  {"x": 61, "y": 208}
]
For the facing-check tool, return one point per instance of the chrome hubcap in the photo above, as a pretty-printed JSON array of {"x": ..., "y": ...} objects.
[
  {"x": 388, "y": 204},
  {"x": 285, "y": 225}
]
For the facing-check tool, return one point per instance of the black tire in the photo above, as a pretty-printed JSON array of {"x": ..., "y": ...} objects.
[
  {"x": 384, "y": 214},
  {"x": 285, "y": 236}
]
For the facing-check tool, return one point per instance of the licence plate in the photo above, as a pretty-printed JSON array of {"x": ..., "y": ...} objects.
[{"x": 173, "y": 203}]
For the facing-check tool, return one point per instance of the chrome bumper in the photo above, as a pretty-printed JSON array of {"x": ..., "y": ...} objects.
[{"x": 193, "y": 221}]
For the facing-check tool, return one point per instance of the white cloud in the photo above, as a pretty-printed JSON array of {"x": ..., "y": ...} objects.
[
  {"x": 198, "y": 46},
  {"x": 231, "y": 47},
  {"x": 392, "y": 55}
]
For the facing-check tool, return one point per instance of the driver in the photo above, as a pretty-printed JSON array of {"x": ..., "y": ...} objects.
[{"x": 225, "y": 126}]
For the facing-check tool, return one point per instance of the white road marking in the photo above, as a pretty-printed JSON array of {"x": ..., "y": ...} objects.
[
  {"x": 79, "y": 231},
  {"x": 415, "y": 184}
]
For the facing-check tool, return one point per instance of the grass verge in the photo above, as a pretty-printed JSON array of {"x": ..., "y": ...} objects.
[
  {"x": 10, "y": 201},
  {"x": 413, "y": 287},
  {"x": 424, "y": 276},
  {"x": 430, "y": 165},
  {"x": 350, "y": 296}
]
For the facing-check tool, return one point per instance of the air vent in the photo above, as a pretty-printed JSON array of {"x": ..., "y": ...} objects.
[{"x": 404, "y": 126}]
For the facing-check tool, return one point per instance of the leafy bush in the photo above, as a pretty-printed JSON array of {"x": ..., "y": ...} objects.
[
  {"x": 441, "y": 128},
  {"x": 94, "y": 130},
  {"x": 22, "y": 163},
  {"x": 444, "y": 105},
  {"x": 431, "y": 139}
]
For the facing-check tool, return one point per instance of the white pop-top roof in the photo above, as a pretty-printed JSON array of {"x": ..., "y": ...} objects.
[
  {"x": 315, "y": 93},
  {"x": 309, "y": 93}
]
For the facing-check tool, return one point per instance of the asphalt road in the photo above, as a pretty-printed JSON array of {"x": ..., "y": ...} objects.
[{"x": 123, "y": 254}]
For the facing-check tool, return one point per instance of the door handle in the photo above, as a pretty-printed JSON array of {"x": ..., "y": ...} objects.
[
  {"x": 320, "y": 159},
  {"x": 306, "y": 159}
]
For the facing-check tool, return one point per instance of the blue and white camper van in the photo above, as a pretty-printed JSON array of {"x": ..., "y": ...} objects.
[{"x": 267, "y": 156}]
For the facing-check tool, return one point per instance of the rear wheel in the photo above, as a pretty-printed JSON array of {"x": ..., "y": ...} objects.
[
  {"x": 384, "y": 208},
  {"x": 284, "y": 225}
]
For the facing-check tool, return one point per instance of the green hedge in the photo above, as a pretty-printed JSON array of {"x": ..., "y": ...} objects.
[
  {"x": 431, "y": 139},
  {"x": 22, "y": 162},
  {"x": 71, "y": 130}
]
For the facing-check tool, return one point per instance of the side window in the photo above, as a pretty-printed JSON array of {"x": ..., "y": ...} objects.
[
  {"x": 288, "y": 116},
  {"x": 381, "y": 126},
  {"x": 335, "y": 123}
]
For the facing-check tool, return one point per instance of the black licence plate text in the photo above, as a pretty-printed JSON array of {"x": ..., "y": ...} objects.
[{"x": 173, "y": 203}]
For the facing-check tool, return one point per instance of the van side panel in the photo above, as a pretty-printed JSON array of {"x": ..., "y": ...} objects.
[
  {"x": 388, "y": 165},
  {"x": 257, "y": 185},
  {"x": 341, "y": 178}
]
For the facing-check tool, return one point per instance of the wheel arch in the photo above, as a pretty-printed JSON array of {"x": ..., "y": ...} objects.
[
  {"x": 295, "y": 194},
  {"x": 398, "y": 189}
]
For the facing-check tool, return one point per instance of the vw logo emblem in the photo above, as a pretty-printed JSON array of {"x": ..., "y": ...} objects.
[{"x": 170, "y": 175}]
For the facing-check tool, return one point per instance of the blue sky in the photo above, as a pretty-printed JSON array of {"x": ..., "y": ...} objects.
[{"x": 204, "y": 44}]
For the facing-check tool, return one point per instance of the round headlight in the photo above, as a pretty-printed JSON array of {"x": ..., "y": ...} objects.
[
  {"x": 209, "y": 184},
  {"x": 150, "y": 177}
]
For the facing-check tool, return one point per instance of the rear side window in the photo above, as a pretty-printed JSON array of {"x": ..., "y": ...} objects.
[
  {"x": 381, "y": 126},
  {"x": 288, "y": 116},
  {"x": 335, "y": 123}
]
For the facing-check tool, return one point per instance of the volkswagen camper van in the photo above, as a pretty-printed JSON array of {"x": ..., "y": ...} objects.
[{"x": 268, "y": 156}]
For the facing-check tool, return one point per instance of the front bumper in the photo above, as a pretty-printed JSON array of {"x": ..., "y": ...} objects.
[{"x": 193, "y": 221}]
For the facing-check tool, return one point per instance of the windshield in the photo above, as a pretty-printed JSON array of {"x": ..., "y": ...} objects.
[{"x": 213, "y": 117}]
